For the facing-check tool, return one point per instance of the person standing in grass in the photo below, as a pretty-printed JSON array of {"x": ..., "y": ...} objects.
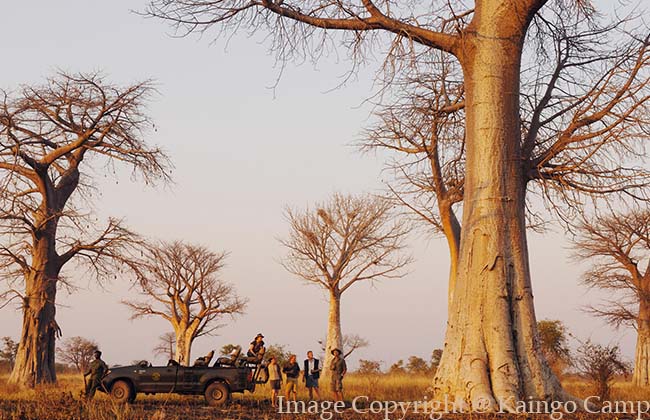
[
  {"x": 311, "y": 373},
  {"x": 339, "y": 369},
  {"x": 292, "y": 370},
  {"x": 96, "y": 370},
  {"x": 275, "y": 379}
]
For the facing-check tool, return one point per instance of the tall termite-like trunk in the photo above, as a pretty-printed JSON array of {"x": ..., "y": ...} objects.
[
  {"x": 641, "y": 376},
  {"x": 36, "y": 350},
  {"x": 492, "y": 355},
  {"x": 334, "y": 336}
]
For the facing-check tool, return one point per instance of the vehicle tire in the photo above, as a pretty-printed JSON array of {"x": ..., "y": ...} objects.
[
  {"x": 217, "y": 393},
  {"x": 122, "y": 392}
]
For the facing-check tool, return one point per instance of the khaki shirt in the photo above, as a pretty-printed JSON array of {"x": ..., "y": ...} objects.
[
  {"x": 274, "y": 372},
  {"x": 338, "y": 366},
  {"x": 97, "y": 368}
]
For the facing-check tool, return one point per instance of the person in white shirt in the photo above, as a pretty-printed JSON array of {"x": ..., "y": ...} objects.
[{"x": 311, "y": 373}]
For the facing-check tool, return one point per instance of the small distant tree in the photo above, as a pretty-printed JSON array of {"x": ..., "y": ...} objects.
[
  {"x": 417, "y": 365},
  {"x": 181, "y": 284},
  {"x": 78, "y": 352},
  {"x": 553, "y": 338},
  {"x": 166, "y": 345},
  {"x": 346, "y": 240},
  {"x": 228, "y": 349},
  {"x": 8, "y": 351},
  {"x": 436, "y": 355},
  {"x": 397, "y": 367},
  {"x": 353, "y": 342},
  {"x": 279, "y": 351},
  {"x": 369, "y": 367},
  {"x": 601, "y": 364},
  {"x": 350, "y": 343}
]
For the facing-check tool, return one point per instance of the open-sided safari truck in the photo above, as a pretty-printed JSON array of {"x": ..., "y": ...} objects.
[{"x": 217, "y": 382}]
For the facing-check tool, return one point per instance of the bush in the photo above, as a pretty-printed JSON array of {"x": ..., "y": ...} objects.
[
  {"x": 601, "y": 364},
  {"x": 369, "y": 367}
]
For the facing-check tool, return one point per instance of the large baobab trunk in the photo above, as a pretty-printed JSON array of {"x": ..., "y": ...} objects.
[
  {"x": 183, "y": 347},
  {"x": 35, "y": 358},
  {"x": 492, "y": 353},
  {"x": 334, "y": 336},
  {"x": 641, "y": 376}
]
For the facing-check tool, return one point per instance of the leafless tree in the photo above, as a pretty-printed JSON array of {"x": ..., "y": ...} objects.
[
  {"x": 424, "y": 127},
  {"x": 53, "y": 139},
  {"x": 570, "y": 89},
  {"x": 181, "y": 284},
  {"x": 489, "y": 40},
  {"x": 166, "y": 345},
  {"x": 341, "y": 242},
  {"x": 618, "y": 247},
  {"x": 350, "y": 343},
  {"x": 78, "y": 352},
  {"x": 601, "y": 364}
]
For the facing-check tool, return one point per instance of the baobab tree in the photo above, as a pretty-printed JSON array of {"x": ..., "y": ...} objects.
[
  {"x": 341, "y": 242},
  {"x": 492, "y": 352},
  {"x": 53, "y": 139},
  {"x": 618, "y": 247},
  {"x": 166, "y": 345},
  {"x": 424, "y": 128},
  {"x": 181, "y": 283}
]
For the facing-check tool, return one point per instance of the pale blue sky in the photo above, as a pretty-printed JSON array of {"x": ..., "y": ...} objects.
[{"x": 242, "y": 152}]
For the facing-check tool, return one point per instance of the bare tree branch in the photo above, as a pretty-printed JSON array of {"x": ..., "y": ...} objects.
[
  {"x": 343, "y": 241},
  {"x": 618, "y": 247},
  {"x": 181, "y": 284}
]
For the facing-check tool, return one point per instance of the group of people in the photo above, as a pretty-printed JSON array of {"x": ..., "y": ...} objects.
[{"x": 310, "y": 372}]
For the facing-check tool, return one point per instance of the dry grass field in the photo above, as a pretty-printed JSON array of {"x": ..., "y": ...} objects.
[{"x": 64, "y": 402}]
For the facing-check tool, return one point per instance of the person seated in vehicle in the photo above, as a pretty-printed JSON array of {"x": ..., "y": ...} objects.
[
  {"x": 231, "y": 358},
  {"x": 256, "y": 350},
  {"x": 204, "y": 360}
]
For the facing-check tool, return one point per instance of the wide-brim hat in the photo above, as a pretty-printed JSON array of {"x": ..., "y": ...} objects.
[
  {"x": 339, "y": 350},
  {"x": 259, "y": 335}
]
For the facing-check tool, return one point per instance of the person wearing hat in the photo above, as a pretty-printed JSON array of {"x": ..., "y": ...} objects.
[
  {"x": 96, "y": 370},
  {"x": 339, "y": 369},
  {"x": 257, "y": 349}
]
